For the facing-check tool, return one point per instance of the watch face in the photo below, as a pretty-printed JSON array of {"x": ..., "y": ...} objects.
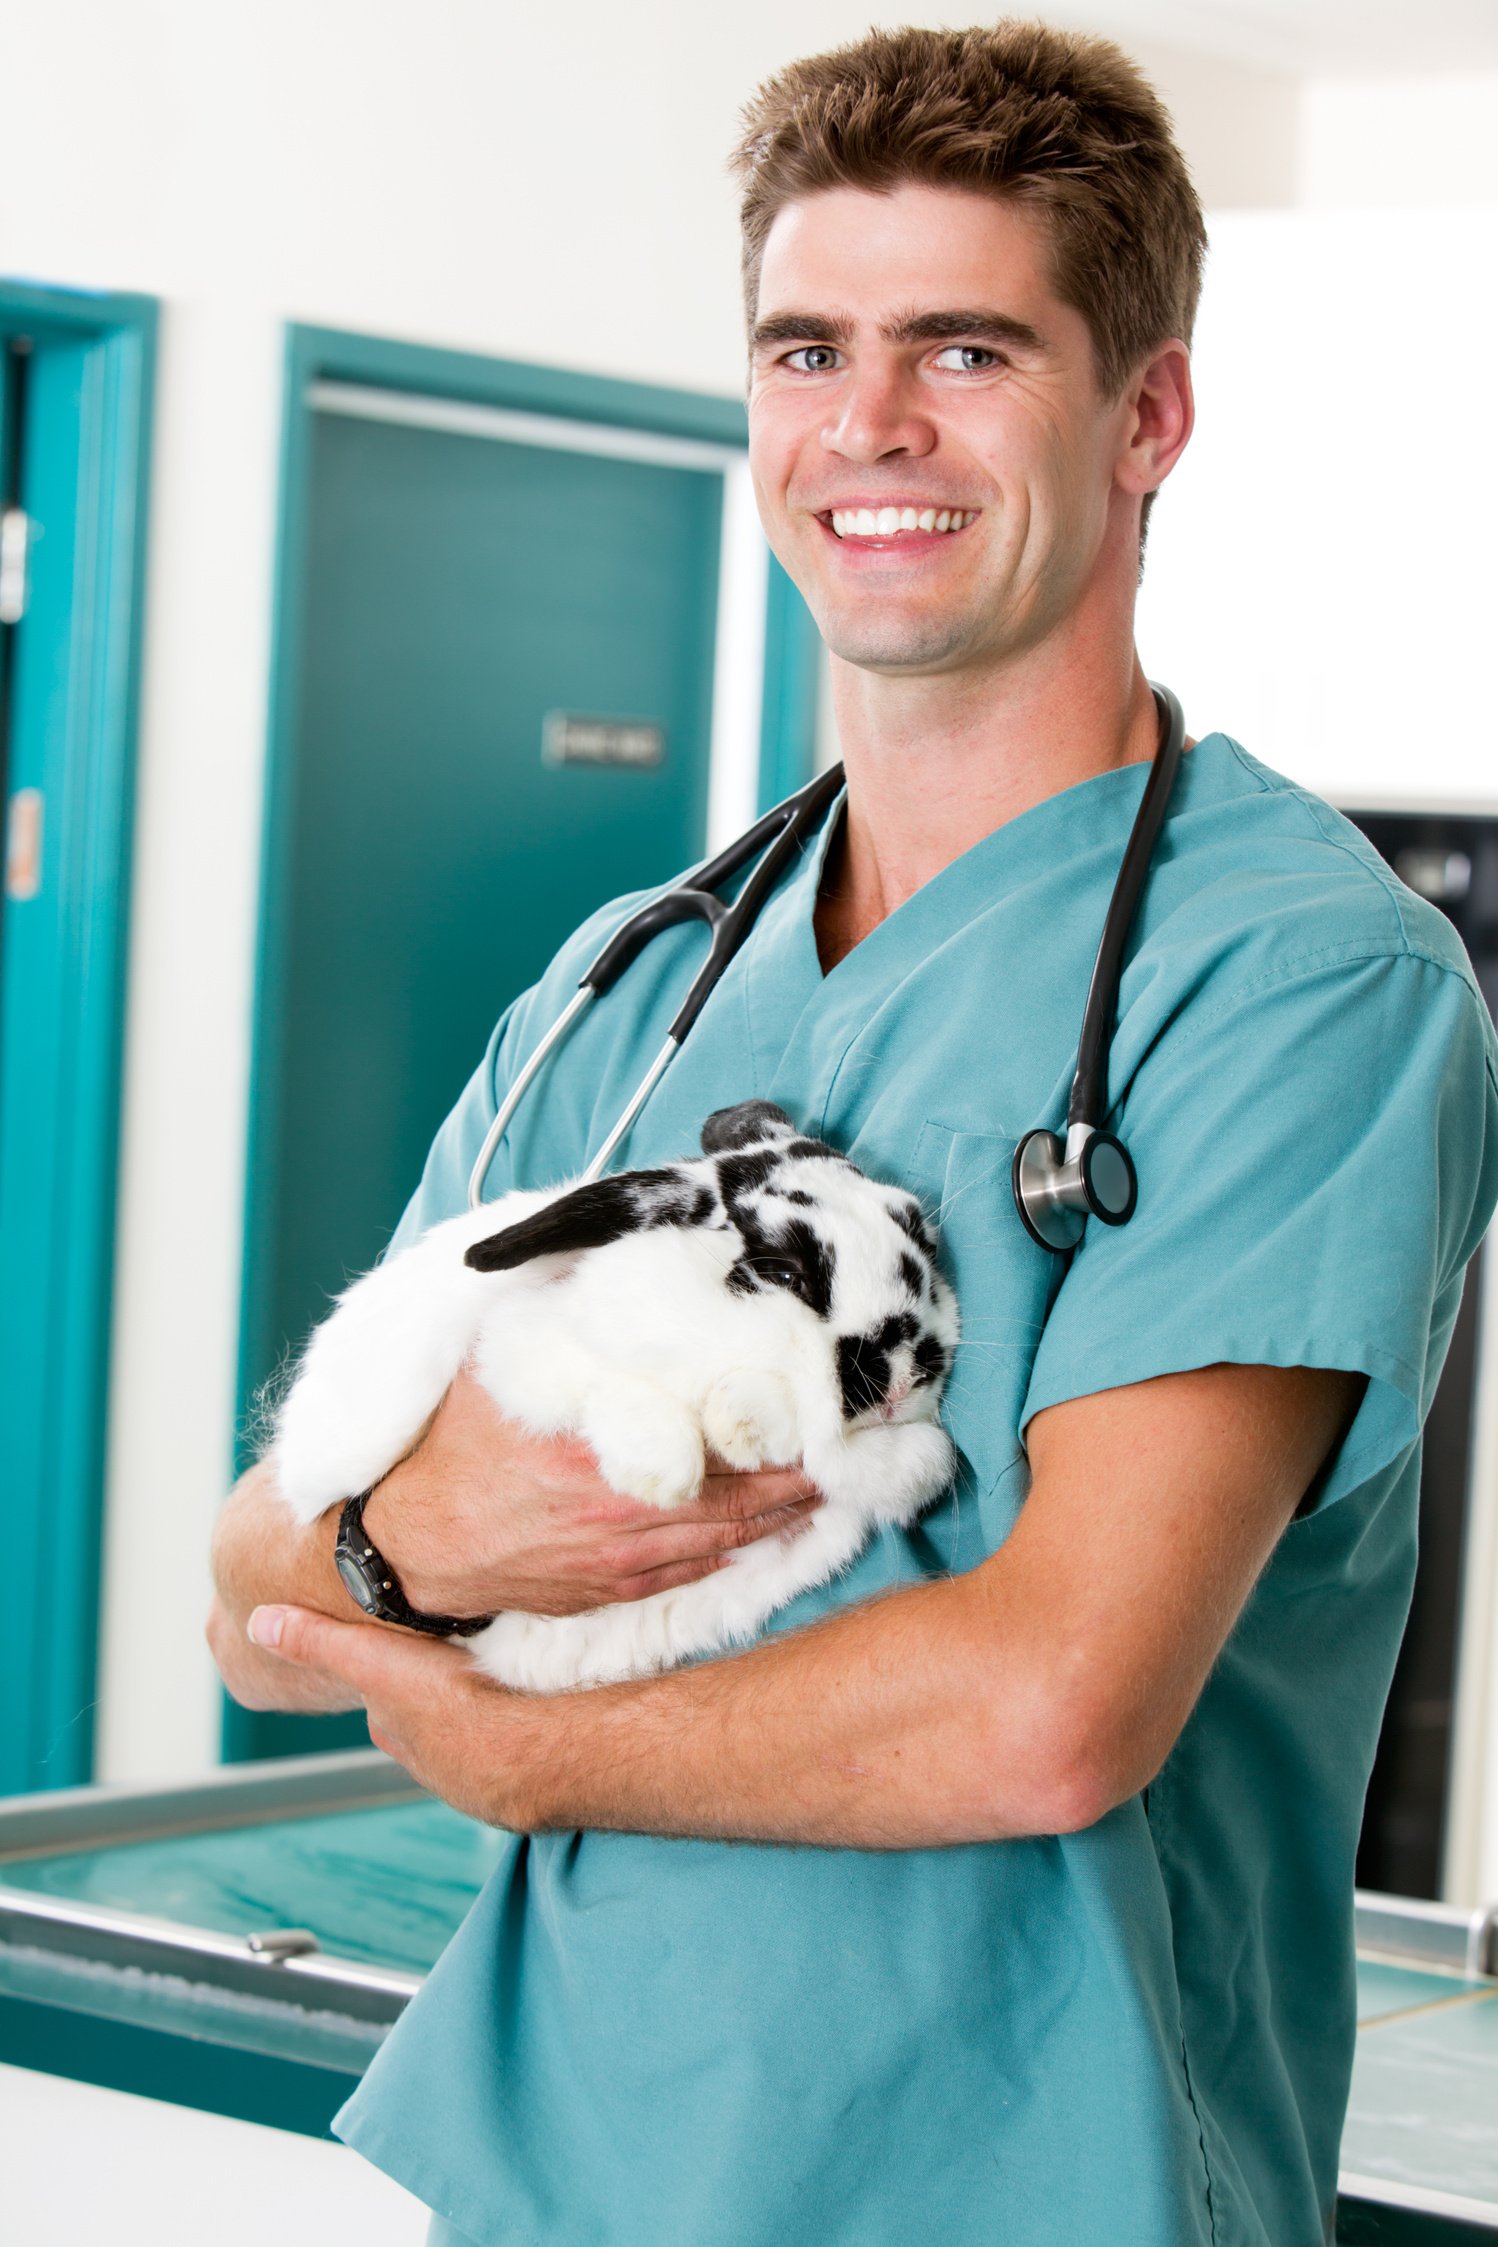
[{"x": 361, "y": 1587}]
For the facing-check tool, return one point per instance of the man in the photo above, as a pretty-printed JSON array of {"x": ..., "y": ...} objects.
[{"x": 1039, "y": 1923}]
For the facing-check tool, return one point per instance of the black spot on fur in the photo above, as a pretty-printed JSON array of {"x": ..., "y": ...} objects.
[
  {"x": 932, "y": 1360},
  {"x": 908, "y": 1217},
  {"x": 795, "y": 1260},
  {"x": 743, "y": 1174},
  {"x": 912, "y": 1274},
  {"x": 863, "y": 1373},
  {"x": 816, "y": 1260},
  {"x": 817, "y": 1148}
]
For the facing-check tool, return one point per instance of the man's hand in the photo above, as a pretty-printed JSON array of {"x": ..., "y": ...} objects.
[
  {"x": 459, "y": 1735},
  {"x": 484, "y": 1516}
]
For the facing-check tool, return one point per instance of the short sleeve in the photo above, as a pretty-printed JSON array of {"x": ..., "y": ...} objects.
[{"x": 1317, "y": 1160}]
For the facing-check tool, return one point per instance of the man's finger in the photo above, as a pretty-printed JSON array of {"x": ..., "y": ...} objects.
[
  {"x": 738, "y": 1497},
  {"x": 362, "y": 1657},
  {"x": 729, "y": 1537},
  {"x": 652, "y": 1580},
  {"x": 665, "y": 1543}
]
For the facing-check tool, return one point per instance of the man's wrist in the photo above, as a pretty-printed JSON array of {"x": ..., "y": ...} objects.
[{"x": 395, "y": 1529}]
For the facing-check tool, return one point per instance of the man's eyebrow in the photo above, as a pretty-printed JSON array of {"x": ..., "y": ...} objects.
[
  {"x": 800, "y": 327},
  {"x": 963, "y": 325}
]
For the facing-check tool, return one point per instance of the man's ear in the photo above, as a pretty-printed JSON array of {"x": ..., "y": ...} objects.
[
  {"x": 1162, "y": 415},
  {"x": 590, "y": 1216}
]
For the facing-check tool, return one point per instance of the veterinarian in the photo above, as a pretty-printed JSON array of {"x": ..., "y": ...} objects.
[{"x": 1004, "y": 1893}]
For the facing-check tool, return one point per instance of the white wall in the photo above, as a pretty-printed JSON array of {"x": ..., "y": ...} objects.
[
  {"x": 1406, "y": 144},
  {"x": 541, "y": 183},
  {"x": 1322, "y": 578}
]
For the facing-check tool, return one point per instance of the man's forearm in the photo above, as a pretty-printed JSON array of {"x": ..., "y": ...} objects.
[{"x": 910, "y": 1722}]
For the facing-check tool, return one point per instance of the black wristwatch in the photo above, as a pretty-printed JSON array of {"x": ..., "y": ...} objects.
[{"x": 371, "y": 1581}]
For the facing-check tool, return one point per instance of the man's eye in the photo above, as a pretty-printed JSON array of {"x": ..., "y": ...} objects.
[
  {"x": 967, "y": 358},
  {"x": 812, "y": 358}
]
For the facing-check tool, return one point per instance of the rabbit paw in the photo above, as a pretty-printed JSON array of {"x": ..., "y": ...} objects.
[
  {"x": 647, "y": 1446},
  {"x": 750, "y": 1420},
  {"x": 896, "y": 1469}
]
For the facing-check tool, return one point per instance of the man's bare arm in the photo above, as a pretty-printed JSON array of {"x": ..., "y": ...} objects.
[{"x": 1028, "y": 1697}]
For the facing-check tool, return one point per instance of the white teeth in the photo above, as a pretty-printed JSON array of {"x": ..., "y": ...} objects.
[{"x": 887, "y": 522}]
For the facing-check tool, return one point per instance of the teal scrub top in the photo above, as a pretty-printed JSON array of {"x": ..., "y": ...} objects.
[{"x": 1141, "y": 2033}]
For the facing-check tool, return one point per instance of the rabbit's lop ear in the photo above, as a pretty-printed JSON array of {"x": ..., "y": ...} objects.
[
  {"x": 751, "y": 1124},
  {"x": 589, "y": 1217}
]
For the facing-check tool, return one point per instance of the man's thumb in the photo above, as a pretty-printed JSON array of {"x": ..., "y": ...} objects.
[
  {"x": 266, "y": 1625},
  {"x": 298, "y": 1636}
]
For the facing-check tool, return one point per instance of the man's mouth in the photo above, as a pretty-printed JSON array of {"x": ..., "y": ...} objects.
[{"x": 895, "y": 522}]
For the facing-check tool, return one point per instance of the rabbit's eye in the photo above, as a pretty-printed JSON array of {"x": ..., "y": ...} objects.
[{"x": 780, "y": 1274}]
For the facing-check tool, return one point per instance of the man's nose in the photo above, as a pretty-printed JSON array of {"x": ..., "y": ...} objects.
[{"x": 879, "y": 414}]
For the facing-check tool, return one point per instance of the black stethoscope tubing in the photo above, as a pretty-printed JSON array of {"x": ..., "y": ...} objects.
[{"x": 1057, "y": 1184}]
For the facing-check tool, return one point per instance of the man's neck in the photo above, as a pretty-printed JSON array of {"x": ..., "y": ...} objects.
[{"x": 935, "y": 764}]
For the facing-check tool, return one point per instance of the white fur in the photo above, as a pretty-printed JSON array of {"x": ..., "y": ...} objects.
[{"x": 640, "y": 1348}]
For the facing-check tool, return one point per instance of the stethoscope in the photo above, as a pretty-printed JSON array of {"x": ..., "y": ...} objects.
[{"x": 1058, "y": 1183}]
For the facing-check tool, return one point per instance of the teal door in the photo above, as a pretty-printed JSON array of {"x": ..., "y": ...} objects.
[
  {"x": 74, "y": 395},
  {"x": 441, "y": 825}
]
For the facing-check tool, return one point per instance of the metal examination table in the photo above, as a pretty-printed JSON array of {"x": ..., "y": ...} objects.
[{"x": 243, "y": 1944}]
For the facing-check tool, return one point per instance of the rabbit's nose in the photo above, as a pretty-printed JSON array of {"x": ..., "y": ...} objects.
[{"x": 898, "y": 1393}]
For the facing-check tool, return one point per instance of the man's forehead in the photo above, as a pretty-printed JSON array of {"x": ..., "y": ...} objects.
[{"x": 885, "y": 258}]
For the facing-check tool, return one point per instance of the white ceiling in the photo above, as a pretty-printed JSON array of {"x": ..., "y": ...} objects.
[{"x": 1307, "y": 38}]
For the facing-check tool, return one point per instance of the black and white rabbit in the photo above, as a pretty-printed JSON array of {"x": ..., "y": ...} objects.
[{"x": 769, "y": 1301}]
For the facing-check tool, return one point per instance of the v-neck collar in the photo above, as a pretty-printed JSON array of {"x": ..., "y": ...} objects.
[{"x": 790, "y": 1002}]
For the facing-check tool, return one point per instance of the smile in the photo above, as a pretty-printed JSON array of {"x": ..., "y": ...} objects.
[{"x": 890, "y": 522}]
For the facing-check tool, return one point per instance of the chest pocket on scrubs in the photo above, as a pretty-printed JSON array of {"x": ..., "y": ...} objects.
[{"x": 1005, "y": 1286}]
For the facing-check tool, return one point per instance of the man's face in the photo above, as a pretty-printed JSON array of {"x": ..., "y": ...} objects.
[{"x": 910, "y": 355}]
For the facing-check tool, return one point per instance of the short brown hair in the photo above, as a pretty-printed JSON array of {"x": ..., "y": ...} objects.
[{"x": 1056, "y": 121}]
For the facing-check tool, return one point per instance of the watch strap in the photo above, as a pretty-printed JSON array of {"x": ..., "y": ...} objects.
[{"x": 380, "y": 1594}]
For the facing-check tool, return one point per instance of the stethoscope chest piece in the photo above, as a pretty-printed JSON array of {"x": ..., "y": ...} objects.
[{"x": 1056, "y": 1192}]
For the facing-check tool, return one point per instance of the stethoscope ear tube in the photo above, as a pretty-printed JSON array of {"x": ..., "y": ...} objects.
[
  {"x": 1059, "y": 1184},
  {"x": 785, "y": 831}
]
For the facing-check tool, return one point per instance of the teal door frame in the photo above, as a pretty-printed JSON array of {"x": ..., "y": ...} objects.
[
  {"x": 787, "y": 744},
  {"x": 75, "y": 664}
]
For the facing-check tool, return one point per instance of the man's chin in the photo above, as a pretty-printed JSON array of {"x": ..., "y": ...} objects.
[{"x": 898, "y": 649}]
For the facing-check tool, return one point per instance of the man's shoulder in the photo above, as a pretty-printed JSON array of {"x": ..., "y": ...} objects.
[{"x": 1263, "y": 882}]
